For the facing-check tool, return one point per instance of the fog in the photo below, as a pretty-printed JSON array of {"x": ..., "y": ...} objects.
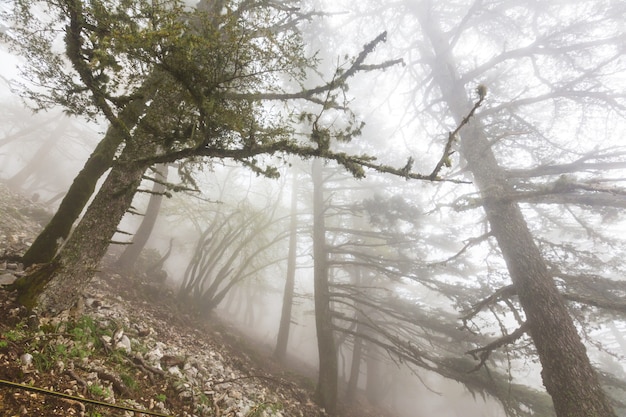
[{"x": 425, "y": 318}]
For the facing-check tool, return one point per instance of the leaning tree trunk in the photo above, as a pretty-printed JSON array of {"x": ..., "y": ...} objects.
[
  {"x": 57, "y": 285},
  {"x": 326, "y": 391},
  {"x": 567, "y": 372},
  {"x": 47, "y": 243},
  {"x": 128, "y": 258}
]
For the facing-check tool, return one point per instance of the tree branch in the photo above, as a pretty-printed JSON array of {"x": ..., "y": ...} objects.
[{"x": 484, "y": 352}]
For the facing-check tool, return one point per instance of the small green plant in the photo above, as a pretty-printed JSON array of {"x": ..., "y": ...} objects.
[
  {"x": 42, "y": 362},
  {"x": 204, "y": 399},
  {"x": 129, "y": 381},
  {"x": 60, "y": 350},
  {"x": 3, "y": 344},
  {"x": 161, "y": 397},
  {"x": 259, "y": 410},
  {"x": 97, "y": 390},
  {"x": 79, "y": 352},
  {"x": 84, "y": 330},
  {"x": 16, "y": 333}
]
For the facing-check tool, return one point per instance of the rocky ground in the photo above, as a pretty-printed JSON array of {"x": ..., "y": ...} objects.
[{"x": 132, "y": 347}]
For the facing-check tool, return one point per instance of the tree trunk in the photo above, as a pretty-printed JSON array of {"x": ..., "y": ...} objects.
[
  {"x": 57, "y": 285},
  {"x": 128, "y": 258},
  {"x": 285, "y": 318},
  {"x": 326, "y": 391},
  {"x": 374, "y": 386},
  {"x": 357, "y": 351},
  {"x": 355, "y": 368},
  {"x": 566, "y": 370},
  {"x": 49, "y": 240}
]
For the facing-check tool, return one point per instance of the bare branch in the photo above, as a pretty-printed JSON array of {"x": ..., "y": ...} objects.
[{"x": 484, "y": 352}]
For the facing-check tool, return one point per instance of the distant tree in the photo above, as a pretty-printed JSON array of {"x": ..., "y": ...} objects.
[
  {"x": 282, "y": 339},
  {"x": 130, "y": 255},
  {"x": 27, "y": 171},
  {"x": 236, "y": 246}
]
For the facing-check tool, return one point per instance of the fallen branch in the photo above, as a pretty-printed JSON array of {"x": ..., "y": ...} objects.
[{"x": 79, "y": 399}]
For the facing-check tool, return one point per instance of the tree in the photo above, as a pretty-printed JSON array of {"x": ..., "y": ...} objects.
[
  {"x": 46, "y": 244},
  {"x": 396, "y": 306},
  {"x": 282, "y": 340},
  {"x": 217, "y": 92},
  {"x": 128, "y": 258},
  {"x": 236, "y": 246},
  {"x": 326, "y": 390},
  {"x": 567, "y": 372},
  {"x": 544, "y": 73}
]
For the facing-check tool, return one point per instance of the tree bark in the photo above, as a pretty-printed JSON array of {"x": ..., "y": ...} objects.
[
  {"x": 49, "y": 240},
  {"x": 285, "y": 318},
  {"x": 128, "y": 258},
  {"x": 567, "y": 372},
  {"x": 57, "y": 285},
  {"x": 326, "y": 391}
]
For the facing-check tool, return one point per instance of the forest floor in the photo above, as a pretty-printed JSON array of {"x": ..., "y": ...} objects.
[{"x": 131, "y": 345}]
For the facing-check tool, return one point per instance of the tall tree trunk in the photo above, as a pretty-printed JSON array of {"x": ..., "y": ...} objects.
[
  {"x": 566, "y": 370},
  {"x": 355, "y": 368},
  {"x": 128, "y": 258},
  {"x": 285, "y": 318},
  {"x": 57, "y": 285},
  {"x": 326, "y": 391},
  {"x": 47, "y": 243},
  {"x": 374, "y": 386}
]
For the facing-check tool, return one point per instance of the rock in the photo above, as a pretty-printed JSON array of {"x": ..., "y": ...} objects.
[
  {"x": 6, "y": 279},
  {"x": 124, "y": 344},
  {"x": 26, "y": 359},
  {"x": 175, "y": 370}
]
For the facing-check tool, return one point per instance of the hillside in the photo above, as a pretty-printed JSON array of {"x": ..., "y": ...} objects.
[{"x": 131, "y": 346}]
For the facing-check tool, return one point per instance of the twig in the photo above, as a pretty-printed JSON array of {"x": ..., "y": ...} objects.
[
  {"x": 485, "y": 351},
  {"x": 468, "y": 244},
  {"x": 445, "y": 158},
  {"x": 503, "y": 292}
]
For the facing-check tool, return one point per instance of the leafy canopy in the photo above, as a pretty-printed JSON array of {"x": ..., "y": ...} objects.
[{"x": 218, "y": 79}]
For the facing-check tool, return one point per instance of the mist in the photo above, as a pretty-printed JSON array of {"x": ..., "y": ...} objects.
[{"x": 486, "y": 187}]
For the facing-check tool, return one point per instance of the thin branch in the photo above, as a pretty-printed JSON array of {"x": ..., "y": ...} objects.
[
  {"x": 504, "y": 292},
  {"x": 469, "y": 243},
  {"x": 484, "y": 352},
  {"x": 445, "y": 158}
]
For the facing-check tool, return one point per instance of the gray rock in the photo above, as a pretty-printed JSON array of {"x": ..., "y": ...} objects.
[{"x": 6, "y": 279}]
